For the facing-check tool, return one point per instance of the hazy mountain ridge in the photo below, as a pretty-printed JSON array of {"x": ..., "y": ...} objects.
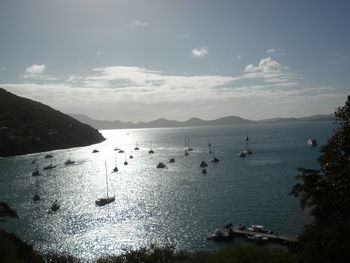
[
  {"x": 165, "y": 123},
  {"x": 28, "y": 126}
]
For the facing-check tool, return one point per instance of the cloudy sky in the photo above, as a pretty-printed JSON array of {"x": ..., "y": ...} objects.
[{"x": 140, "y": 60}]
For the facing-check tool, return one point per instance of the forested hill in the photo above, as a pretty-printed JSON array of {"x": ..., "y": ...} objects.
[{"x": 27, "y": 126}]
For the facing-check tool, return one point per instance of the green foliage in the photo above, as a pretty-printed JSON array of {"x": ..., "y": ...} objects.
[
  {"x": 251, "y": 254},
  {"x": 13, "y": 249},
  {"x": 153, "y": 254},
  {"x": 242, "y": 254},
  {"x": 327, "y": 192}
]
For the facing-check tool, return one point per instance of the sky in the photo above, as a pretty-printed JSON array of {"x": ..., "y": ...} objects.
[{"x": 140, "y": 60}]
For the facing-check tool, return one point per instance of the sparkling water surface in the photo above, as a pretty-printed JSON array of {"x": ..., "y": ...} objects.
[{"x": 177, "y": 205}]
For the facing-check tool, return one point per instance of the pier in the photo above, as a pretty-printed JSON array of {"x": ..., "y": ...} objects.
[{"x": 255, "y": 234}]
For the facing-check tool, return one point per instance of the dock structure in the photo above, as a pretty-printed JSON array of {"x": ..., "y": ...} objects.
[
  {"x": 271, "y": 237},
  {"x": 255, "y": 234}
]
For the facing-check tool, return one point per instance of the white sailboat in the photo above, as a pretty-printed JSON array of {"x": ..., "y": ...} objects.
[{"x": 105, "y": 200}]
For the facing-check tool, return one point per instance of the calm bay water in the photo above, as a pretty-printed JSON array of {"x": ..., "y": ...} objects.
[{"x": 178, "y": 205}]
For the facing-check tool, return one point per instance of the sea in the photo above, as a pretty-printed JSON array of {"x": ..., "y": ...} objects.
[{"x": 178, "y": 205}]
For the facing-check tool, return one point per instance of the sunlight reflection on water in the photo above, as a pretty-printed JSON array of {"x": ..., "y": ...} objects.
[{"x": 177, "y": 205}]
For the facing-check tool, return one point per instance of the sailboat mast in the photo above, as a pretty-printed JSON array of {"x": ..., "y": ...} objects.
[{"x": 106, "y": 177}]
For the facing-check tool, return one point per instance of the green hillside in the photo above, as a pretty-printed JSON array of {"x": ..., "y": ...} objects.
[{"x": 27, "y": 126}]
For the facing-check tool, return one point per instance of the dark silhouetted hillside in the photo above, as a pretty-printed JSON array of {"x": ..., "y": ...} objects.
[{"x": 27, "y": 126}]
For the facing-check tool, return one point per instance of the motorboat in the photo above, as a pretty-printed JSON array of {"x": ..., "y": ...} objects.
[
  {"x": 241, "y": 155},
  {"x": 36, "y": 198},
  {"x": 95, "y": 151},
  {"x": 55, "y": 206},
  {"x": 247, "y": 151},
  {"x": 161, "y": 165},
  {"x": 312, "y": 142},
  {"x": 172, "y": 160},
  {"x": 69, "y": 161},
  {"x": 203, "y": 164},
  {"x": 214, "y": 160}
]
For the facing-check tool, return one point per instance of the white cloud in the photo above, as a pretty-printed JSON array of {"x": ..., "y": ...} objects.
[
  {"x": 36, "y": 69},
  {"x": 276, "y": 51},
  {"x": 139, "y": 23},
  {"x": 266, "y": 65},
  {"x": 136, "y": 93},
  {"x": 200, "y": 52}
]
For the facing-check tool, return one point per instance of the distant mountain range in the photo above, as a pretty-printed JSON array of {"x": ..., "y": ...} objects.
[{"x": 164, "y": 123}]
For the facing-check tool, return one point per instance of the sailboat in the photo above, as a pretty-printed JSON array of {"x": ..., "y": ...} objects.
[
  {"x": 189, "y": 147},
  {"x": 203, "y": 163},
  {"x": 36, "y": 172},
  {"x": 36, "y": 197},
  {"x": 50, "y": 166},
  {"x": 125, "y": 162},
  {"x": 105, "y": 200},
  {"x": 55, "y": 205},
  {"x": 69, "y": 161},
  {"x": 186, "y": 151},
  {"x": 136, "y": 147},
  {"x": 115, "y": 160},
  {"x": 151, "y": 151}
]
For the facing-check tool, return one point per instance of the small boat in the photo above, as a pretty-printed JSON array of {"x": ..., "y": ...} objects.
[
  {"x": 246, "y": 138},
  {"x": 241, "y": 155},
  {"x": 214, "y": 160},
  {"x": 116, "y": 149},
  {"x": 204, "y": 171},
  {"x": 161, "y": 165},
  {"x": 69, "y": 161},
  {"x": 203, "y": 164},
  {"x": 115, "y": 160},
  {"x": 105, "y": 200},
  {"x": 186, "y": 153},
  {"x": 224, "y": 233},
  {"x": 48, "y": 156},
  {"x": 54, "y": 206},
  {"x": 50, "y": 166},
  {"x": 36, "y": 172},
  {"x": 151, "y": 151},
  {"x": 312, "y": 142},
  {"x": 131, "y": 157},
  {"x": 120, "y": 151},
  {"x": 172, "y": 160},
  {"x": 34, "y": 162},
  {"x": 136, "y": 147},
  {"x": 125, "y": 162},
  {"x": 248, "y": 151},
  {"x": 95, "y": 151},
  {"x": 189, "y": 147},
  {"x": 36, "y": 198}
]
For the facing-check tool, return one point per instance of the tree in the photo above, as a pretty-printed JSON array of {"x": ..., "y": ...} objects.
[{"x": 327, "y": 193}]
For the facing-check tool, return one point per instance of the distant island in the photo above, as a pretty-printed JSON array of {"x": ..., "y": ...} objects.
[
  {"x": 27, "y": 126},
  {"x": 164, "y": 123}
]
